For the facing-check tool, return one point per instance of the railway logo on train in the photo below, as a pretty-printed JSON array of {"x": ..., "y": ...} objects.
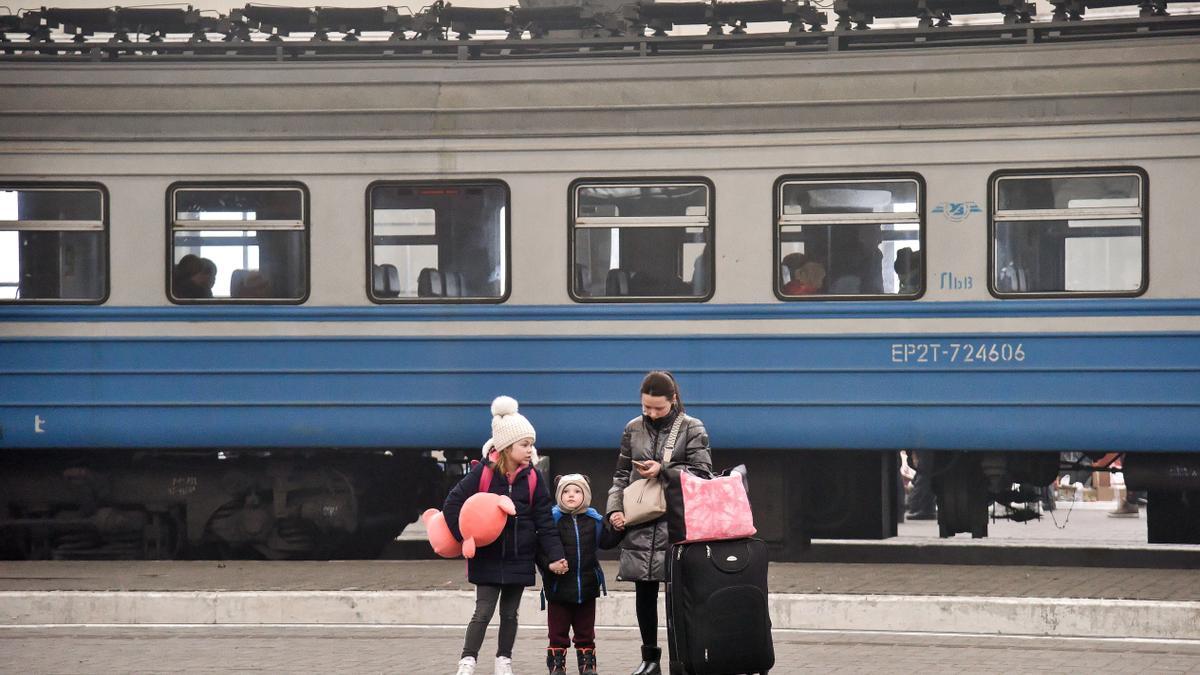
[{"x": 956, "y": 212}]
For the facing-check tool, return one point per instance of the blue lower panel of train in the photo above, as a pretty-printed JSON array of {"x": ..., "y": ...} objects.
[{"x": 1094, "y": 392}]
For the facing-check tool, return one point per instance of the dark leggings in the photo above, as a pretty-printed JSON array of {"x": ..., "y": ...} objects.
[
  {"x": 647, "y": 611},
  {"x": 486, "y": 595}
]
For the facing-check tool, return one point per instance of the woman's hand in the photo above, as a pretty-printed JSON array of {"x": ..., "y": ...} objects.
[
  {"x": 559, "y": 567},
  {"x": 618, "y": 520},
  {"x": 648, "y": 469}
]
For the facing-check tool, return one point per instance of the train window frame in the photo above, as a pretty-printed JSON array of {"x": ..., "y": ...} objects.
[
  {"x": 103, "y": 226},
  {"x": 506, "y": 238},
  {"x": 175, "y": 225},
  {"x": 1093, "y": 213},
  {"x": 778, "y": 222},
  {"x": 709, "y": 221}
]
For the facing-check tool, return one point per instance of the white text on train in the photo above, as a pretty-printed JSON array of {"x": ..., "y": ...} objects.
[{"x": 957, "y": 352}]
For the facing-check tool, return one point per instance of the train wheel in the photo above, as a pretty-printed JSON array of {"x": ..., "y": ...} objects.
[
  {"x": 219, "y": 541},
  {"x": 163, "y": 536},
  {"x": 1173, "y": 516},
  {"x": 851, "y": 495},
  {"x": 962, "y": 495}
]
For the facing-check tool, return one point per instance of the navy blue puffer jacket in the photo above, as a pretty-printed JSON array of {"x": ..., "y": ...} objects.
[
  {"x": 581, "y": 534},
  {"x": 509, "y": 559}
]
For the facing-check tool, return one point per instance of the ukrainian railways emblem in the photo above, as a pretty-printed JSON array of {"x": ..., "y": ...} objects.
[{"x": 957, "y": 211}]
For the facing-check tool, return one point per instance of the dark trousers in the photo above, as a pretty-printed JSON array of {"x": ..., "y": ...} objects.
[
  {"x": 562, "y": 617},
  {"x": 486, "y": 595},
  {"x": 921, "y": 499},
  {"x": 646, "y": 602}
]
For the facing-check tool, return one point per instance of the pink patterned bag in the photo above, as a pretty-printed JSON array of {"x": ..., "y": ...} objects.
[{"x": 702, "y": 507}]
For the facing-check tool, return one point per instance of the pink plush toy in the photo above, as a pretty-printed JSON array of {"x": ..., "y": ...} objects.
[
  {"x": 482, "y": 519},
  {"x": 444, "y": 543}
]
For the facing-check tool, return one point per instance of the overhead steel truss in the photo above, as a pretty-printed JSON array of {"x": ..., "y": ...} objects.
[{"x": 642, "y": 28}]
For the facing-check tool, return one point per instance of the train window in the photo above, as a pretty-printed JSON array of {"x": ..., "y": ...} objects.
[
  {"x": 1068, "y": 233},
  {"x": 641, "y": 241},
  {"x": 53, "y": 243},
  {"x": 239, "y": 243},
  {"x": 851, "y": 237},
  {"x": 438, "y": 242}
]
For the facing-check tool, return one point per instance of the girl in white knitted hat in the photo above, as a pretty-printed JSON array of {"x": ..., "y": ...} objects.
[{"x": 501, "y": 570}]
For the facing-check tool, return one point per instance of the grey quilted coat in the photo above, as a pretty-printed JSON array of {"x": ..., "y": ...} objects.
[{"x": 644, "y": 548}]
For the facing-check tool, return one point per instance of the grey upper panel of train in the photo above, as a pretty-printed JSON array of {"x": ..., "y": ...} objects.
[{"x": 1123, "y": 79}]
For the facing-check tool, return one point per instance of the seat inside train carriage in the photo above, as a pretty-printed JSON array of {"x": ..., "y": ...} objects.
[
  {"x": 849, "y": 237},
  {"x": 1079, "y": 240},
  {"x": 438, "y": 241},
  {"x": 641, "y": 241}
]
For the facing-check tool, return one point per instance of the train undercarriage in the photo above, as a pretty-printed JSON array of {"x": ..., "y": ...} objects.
[
  {"x": 857, "y": 495},
  {"x": 210, "y": 504},
  {"x": 327, "y": 504},
  {"x": 966, "y": 484}
]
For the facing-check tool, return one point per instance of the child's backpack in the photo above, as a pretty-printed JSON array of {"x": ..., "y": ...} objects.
[
  {"x": 485, "y": 479},
  {"x": 443, "y": 542}
]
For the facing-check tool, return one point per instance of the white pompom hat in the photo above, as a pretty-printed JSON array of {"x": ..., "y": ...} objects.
[{"x": 508, "y": 425}]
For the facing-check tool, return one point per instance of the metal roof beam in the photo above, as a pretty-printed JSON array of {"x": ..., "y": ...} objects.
[{"x": 1073, "y": 10}]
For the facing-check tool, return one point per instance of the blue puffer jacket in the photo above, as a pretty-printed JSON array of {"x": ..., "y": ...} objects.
[
  {"x": 581, "y": 534},
  {"x": 509, "y": 559}
]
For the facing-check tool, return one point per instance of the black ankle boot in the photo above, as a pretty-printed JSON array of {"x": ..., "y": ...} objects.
[
  {"x": 556, "y": 660},
  {"x": 650, "y": 657},
  {"x": 587, "y": 660}
]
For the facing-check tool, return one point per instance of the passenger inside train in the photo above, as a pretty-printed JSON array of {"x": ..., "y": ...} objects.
[
  {"x": 805, "y": 277},
  {"x": 193, "y": 277},
  {"x": 908, "y": 270}
]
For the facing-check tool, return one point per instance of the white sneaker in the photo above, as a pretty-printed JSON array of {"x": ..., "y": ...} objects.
[
  {"x": 466, "y": 666},
  {"x": 503, "y": 666}
]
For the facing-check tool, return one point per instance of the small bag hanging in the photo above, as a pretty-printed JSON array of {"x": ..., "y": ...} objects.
[
  {"x": 704, "y": 507},
  {"x": 645, "y": 500}
]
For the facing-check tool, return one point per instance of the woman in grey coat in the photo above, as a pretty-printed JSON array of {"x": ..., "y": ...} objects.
[{"x": 644, "y": 548}]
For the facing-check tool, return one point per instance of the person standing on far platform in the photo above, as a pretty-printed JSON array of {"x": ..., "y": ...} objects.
[
  {"x": 922, "y": 503},
  {"x": 644, "y": 548},
  {"x": 501, "y": 570}
]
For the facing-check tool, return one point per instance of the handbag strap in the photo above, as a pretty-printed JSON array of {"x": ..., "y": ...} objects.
[{"x": 671, "y": 437}]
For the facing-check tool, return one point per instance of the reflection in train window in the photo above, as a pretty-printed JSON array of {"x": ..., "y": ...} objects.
[
  {"x": 53, "y": 243},
  {"x": 849, "y": 237},
  {"x": 641, "y": 241},
  {"x": 1068, "y": 233},
  {"x": 438, "y": 242},
  {"x": 238, "y": 242}
]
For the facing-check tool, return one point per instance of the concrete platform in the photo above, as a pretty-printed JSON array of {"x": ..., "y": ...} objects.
[
  {"x": 1178, "y": 585},
  {"x": 1076, "y": 573},
  {"x": 1078, "y": 534},
  {"x": 433, "y": 650},
  {"x": 1047, "y": 601}
]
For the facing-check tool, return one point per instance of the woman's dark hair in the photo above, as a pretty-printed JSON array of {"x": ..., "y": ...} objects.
[{"x": 662, "y": 383}]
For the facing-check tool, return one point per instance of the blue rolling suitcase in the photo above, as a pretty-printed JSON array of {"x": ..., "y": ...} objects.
[{"x": 717, "y": 620}]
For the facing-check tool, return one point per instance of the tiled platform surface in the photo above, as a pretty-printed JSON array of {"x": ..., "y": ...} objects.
[{"x": 433, "y": 575}]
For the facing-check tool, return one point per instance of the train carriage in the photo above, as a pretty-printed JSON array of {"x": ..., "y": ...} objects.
[{"x": 980, "y": 246}]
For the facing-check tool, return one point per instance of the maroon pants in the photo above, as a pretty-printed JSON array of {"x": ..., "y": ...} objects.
[{"x": 560, "y": 618}]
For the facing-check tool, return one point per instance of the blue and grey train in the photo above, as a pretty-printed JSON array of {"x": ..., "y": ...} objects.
[{"x": 257, "y": 293}]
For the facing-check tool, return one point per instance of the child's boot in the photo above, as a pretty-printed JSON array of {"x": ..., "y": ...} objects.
[
  {"x": 587, "y": 660},
  {"x": 558, "y": 666}
]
